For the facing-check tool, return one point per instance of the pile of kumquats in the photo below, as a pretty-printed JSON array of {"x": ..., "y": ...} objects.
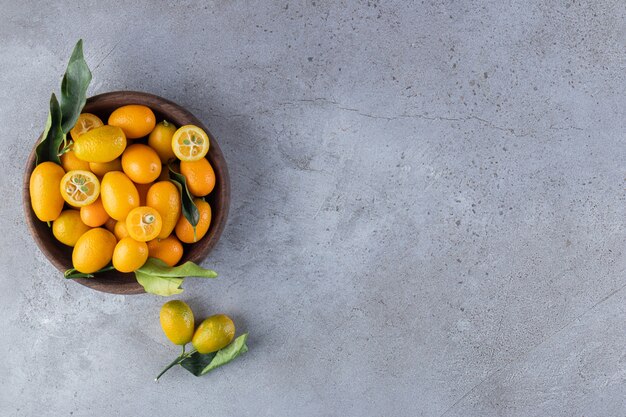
[{"x": 112, "y": 197}]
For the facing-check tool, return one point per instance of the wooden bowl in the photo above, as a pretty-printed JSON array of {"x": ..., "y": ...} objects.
[{"x": 116, "y": 282}]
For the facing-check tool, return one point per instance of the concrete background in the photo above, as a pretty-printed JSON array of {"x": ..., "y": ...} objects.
[{"x": 428, "y": 208}]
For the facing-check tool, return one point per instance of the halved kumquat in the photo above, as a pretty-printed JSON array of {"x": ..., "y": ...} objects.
[
  {"x": 143, "y": 223},
  {"x": 190, "y": 143},
  {"x": 85, "y": 123},
  {"x": 80, "y": 188}
]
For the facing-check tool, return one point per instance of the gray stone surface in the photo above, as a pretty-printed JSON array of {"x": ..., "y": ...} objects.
[{"x": 427, "y": 220}]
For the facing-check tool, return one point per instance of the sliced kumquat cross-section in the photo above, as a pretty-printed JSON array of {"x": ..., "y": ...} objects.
[
  {"x": 190, "y": 143},
  {"x": 80, "y": 188},
  {"x": 85, "y": 123},
  {"x": 143, "y": 223}
]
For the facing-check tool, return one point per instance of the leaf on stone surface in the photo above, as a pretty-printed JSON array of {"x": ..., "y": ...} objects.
[
  {"x": 156, "y": 266},
  {"x": 190, "y": 211},
  {"x": 74, "y": 88},
  {"x": 199, "y": 364},
  {"x": 48, "y": 148},
  {"x": 163, "y": 286},
  {"x": 158, "y": 278}
]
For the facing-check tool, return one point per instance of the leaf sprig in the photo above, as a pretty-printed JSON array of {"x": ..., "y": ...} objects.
[
  {"x": 52, "y": 136},
  {"x": 156, "y": 277},
  {"x": 200, "y": 364},
  {"x": 74, "y": 88},
  {"x": 63, "y": 116}
]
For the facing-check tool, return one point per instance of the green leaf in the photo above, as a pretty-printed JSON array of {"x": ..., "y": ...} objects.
[
  {"x": 199, "y": 364},
  {"x": 73, "y": 273},
  {"x": 74, "y": 88},
  {"x": 52, "y": 137},
  {"x": 156, "y": 266},
  {"x": 158, "y": 278},
  {"x": 63, "y": 115},
  {"x": 157, "y": 285},
  {"x": 190, "y": 211}
]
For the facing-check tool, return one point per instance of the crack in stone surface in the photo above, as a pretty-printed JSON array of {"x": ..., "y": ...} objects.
[{"x": 517, "y": 132}]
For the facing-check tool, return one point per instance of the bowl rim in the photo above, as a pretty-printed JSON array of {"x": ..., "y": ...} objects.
[{"x": 123, "y": 285}]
